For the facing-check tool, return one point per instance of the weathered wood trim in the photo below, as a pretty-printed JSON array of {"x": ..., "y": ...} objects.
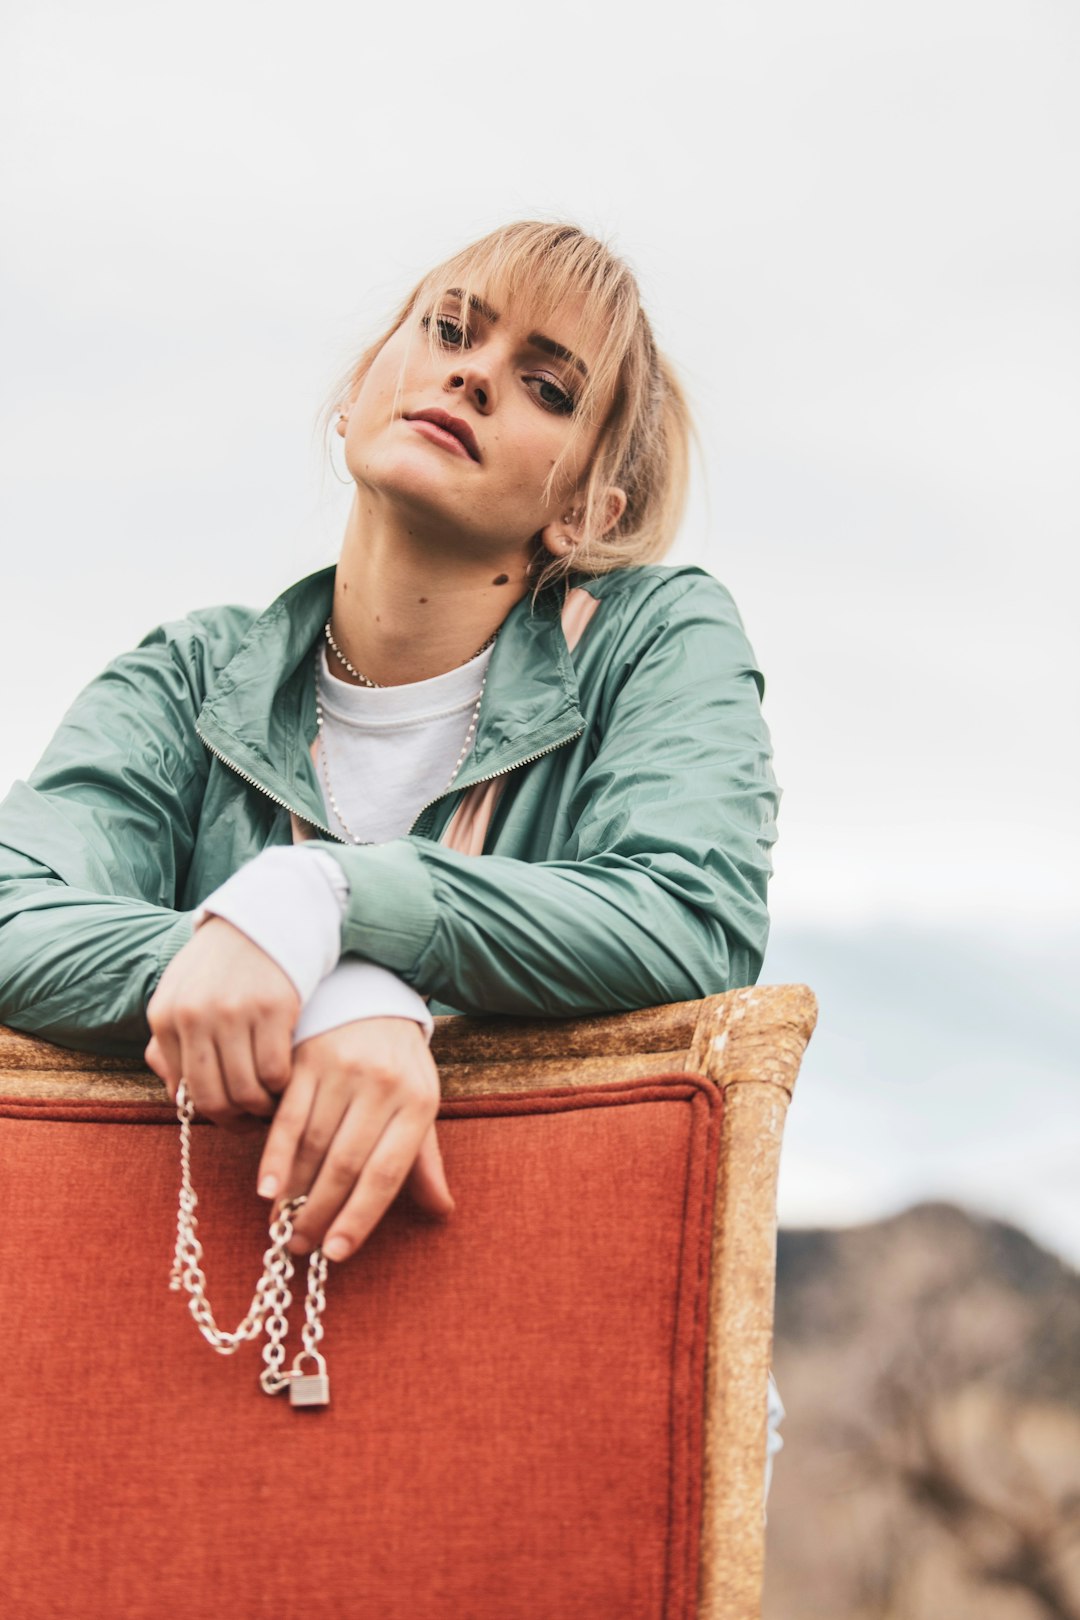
[
  {"x": 481, "y": 1079},
  {"x": 750, "y": 1042},
  {"x": 513, "y": 1040},
  {"x": 474, "y": 1055}
]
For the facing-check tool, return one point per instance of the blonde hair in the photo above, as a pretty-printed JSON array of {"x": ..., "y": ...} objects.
[{"x": 643, "y": 444}]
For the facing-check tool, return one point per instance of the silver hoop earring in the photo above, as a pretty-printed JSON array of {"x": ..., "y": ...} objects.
[{"x": 333, "y": 468}]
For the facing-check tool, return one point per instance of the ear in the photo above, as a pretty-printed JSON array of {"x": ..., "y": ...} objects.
[
  {"x": 564, "y": 533},
  {"x": 341, "y": 425}
]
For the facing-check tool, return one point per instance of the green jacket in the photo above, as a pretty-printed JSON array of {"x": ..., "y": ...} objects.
[{"x": 626, "y": 863}]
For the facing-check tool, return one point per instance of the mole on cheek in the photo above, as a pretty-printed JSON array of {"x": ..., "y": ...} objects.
[
  {"x": 423, "y": 599},
  {"x": 501, "y": 579}
]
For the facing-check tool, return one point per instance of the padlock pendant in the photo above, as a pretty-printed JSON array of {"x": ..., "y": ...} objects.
[{"x": 309, "y": 1389}]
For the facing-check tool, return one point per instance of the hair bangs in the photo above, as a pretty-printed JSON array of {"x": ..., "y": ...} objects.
[
  {"x": 547, "y": 268},
  {"x": 630, "y": 400}
]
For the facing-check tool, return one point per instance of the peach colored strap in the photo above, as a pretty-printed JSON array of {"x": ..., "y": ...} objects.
[
  {"x": 467, "y": 828},
  {"x": 578, "y": 609}
]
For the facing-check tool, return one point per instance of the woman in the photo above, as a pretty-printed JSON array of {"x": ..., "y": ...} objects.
[{"x": 497, "y": 666}]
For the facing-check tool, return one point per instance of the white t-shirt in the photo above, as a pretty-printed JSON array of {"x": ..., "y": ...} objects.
[{"x": 389, "y": 751}]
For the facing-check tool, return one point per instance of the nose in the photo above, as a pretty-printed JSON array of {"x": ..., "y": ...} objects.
[{"x": 474, "y": 380}]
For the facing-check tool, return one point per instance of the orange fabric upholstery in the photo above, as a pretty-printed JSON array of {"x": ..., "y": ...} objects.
[{"x": 515, "y": 1428}]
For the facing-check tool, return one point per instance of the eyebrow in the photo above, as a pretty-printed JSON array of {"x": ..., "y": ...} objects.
[{"x": 537, "y": 339}]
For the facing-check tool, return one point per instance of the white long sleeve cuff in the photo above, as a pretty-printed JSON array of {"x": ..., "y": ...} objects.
[
  {"x": 359, "y": 989},
  {"x": 290, "y": 902}
]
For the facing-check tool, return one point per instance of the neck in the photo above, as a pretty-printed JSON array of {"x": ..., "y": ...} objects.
[{"x": 410, "y": 603}]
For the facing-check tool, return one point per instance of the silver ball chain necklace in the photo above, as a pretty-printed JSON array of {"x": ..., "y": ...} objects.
[{"x": 336, "y": 650}]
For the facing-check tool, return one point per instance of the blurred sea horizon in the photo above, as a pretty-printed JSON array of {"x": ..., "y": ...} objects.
[{"x": 944, "y": 1066}]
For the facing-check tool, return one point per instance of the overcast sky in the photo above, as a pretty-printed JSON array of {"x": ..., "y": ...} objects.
[{"x": 856, "y": 229}]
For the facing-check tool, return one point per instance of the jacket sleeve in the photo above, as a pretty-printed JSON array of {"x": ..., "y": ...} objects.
[
  {"x": 661, "y": 895},
  {"x": 94, "y": 846}
]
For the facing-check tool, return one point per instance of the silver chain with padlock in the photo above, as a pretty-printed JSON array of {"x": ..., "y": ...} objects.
[{"x": 272, "y": 1297}]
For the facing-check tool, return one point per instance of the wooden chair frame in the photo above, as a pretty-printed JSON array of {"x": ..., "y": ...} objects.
[{"x": 748, "y": 1042}]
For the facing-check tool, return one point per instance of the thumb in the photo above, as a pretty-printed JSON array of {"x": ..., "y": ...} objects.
[
  {"x": 426, "y": 1180},
  {"x": 154, "y": 1058}
]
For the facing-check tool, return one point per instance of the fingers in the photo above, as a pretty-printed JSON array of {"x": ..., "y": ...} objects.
[
  {"x": 277, "y": 1177},
  {"x": 199, "y": 1066},
  {"x": 222, "y": 1018},
  {"x": 426, "y": 1182},
  {"x": 354, "y": 1159},
  {"x": 241, "y": 1076},
  {"x": 340, "y": 1154},
  {"x": 356, "y": 1119},
  {"x": 273, "y": 1052},
  {"x": 340, "y": 1136},
  {"x": 155, "y": 1059},
  {"x": 221, "y": 1079},
  {"x": 375, "y": 1185}
]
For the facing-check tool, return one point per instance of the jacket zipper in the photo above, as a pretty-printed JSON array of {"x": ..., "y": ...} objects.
[
  {"x": 233, "y": 766},
  {"x": 477, "y": 781},
  {"x": 423, "y": 809}
]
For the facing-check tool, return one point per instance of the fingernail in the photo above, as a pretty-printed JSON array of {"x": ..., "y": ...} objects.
[
  {"x": 336, "y": 1249},
  {"x": 268, "y": 1186}
]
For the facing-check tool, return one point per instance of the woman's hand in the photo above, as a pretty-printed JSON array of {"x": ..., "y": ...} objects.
[
  {"x": 222, "y": 1018},
  {"x": 356, "y": 1119}
]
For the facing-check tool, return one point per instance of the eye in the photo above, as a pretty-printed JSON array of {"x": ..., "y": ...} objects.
[
  {"x": 451, "y": 332},
  {"x": 556, "y": 398},
  {"x": 549, "y": 393}
]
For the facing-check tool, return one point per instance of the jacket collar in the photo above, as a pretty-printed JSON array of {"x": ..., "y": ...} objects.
[{"x": 259, "y": 715}]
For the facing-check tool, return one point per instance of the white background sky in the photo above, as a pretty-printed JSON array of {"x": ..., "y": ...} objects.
[{"x": 857, "y": 230}]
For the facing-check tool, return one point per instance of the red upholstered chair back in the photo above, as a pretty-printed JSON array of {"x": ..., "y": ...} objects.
[{"x": 520, "y": 1421}]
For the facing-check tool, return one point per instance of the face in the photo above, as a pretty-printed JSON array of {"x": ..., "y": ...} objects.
[{"x": 509, "y": 379}]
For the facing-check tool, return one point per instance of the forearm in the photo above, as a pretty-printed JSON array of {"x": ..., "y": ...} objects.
[
  {"x": 78, "y": 968},
  {"x": 290, "y": 902},
  {"x": 557, "y": 938}
]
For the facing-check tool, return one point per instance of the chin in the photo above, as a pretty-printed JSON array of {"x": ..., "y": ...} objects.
[{"x": 416, "y": 490}]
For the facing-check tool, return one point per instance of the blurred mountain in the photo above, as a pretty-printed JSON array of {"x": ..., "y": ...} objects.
[{"x": 930, "y": 1366}]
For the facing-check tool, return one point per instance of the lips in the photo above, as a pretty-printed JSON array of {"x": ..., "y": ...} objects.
[{"x": 449, "y": 424}]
